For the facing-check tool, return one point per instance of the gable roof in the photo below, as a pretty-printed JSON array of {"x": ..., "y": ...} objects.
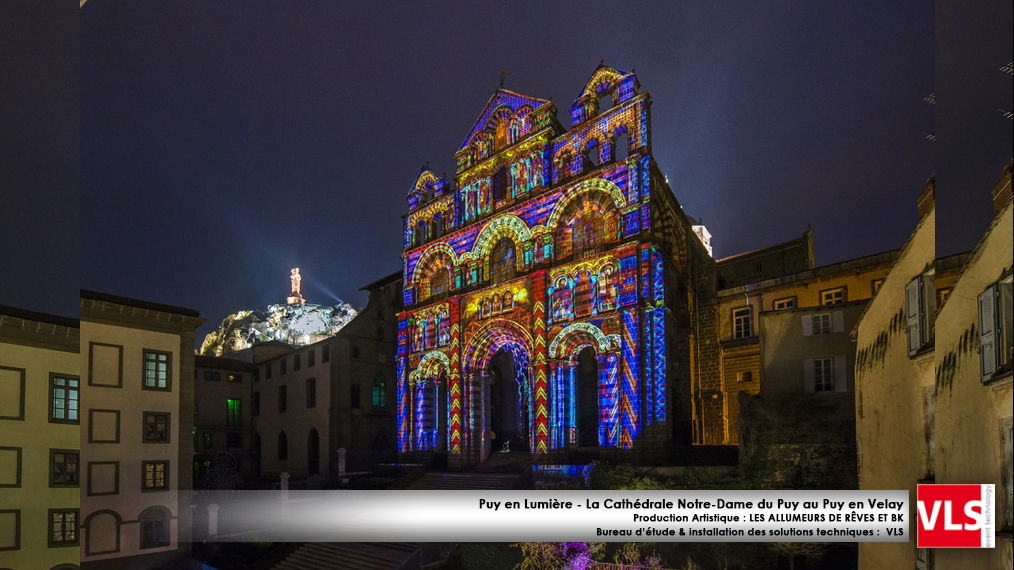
[{"x": 501, "y": 98}]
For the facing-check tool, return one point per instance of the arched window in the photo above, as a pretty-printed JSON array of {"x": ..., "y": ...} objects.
[
  {"x": 378, "y": 398},
  {"x": 283, "y": 446},
  {"x": 591, "y": 154},
  {"x": 500, "y": 185},
  {"x": 502, "y": 260},
  {"x": 443, "y": 329},
  {"x": 621, "y": 144},
  {"x": 154, "y": 527},
  {"x": 562, "y": 302},
  {"x": 440, "y": 282},
  {"x": 587, "y": 231}
]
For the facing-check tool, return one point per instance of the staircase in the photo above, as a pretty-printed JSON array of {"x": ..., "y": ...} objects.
[{"x": 464, "y": 481}]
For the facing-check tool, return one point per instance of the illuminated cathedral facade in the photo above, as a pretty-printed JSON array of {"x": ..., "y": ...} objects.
[{"x": 555, "y": 293}]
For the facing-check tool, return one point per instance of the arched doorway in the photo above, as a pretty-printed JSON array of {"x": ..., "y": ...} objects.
[
  {"x": 587, "y": 391},
  {"x": 508, "y": 403},
  {"x": 313, "y": 452}
]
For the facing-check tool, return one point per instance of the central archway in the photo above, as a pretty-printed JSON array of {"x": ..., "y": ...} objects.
[{"x": 497, "y": 363}]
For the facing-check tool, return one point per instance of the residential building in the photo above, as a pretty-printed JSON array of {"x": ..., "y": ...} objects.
[
  {"x": 778, "y": 333},
  {"x": 137, "y": 414},
  {"x": 974, "y": 363},
  {"x": 894, "y": 377},
  {"x": 223, "y": 428},
  {"x": 40, "y": 463}
]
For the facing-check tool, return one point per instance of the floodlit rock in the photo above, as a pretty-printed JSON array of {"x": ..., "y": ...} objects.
[{"x": 292, "y": 324}]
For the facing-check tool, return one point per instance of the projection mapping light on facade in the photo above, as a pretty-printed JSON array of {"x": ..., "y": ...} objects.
[
  {"x": 552, "y": 291},
  {"x": 296, "y": 322}
]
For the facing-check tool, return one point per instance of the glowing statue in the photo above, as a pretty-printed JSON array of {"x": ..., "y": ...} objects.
[{"x": 295, "y": 296}]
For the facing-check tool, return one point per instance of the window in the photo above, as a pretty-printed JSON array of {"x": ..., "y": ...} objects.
[
  {"x": 63, "y": 527},
  {"x": 256, "y": 403},
  {"x": 918, "y": 320},
  {"x": 12, "y": 393},
  {"x": 282, "y": 366},
  {"x": 834, "y": 296},
  {"x": 157, "y": 370},
  {"x": 875, "y": 285},
  {"x": 784, "y": 304},
  {"x": 826, "y": 374},
  {"x": 821, "y": 324},
  {"x": 745, "y": 376},
  {"x": 587, "y": 231},
  {"x": 439, "y": 282},
  {"x": 502, "y": 260},
  {"x": 63, "y": 468},
  {"x": 823, "y": 374},
  {"x": 233, "y": 378},
  {"x": 64, "y": 399},
  {"x": 154, "y": 527},
  {"x": 354, "y": 396},
  {"x": 154, "y": 475},
  {"x": 283, "y": 397},
  {"x": 233, "y": 412},
  {"x": 996, "y": 329},
  {"x": 377, "y": 398},
  {"x": 311, "y": 392},
  {"x": 212, "y": 375},
  {"x": 156, "y": 427},
  {"x": 283, "y": 446},
  {"x": 742, "y": 326},
  {"x": 325, "y": 353},
  {"x": 942, "y": 294},
  {"x": 311, "y": 357},
  {"x": 296, "y": 361}
]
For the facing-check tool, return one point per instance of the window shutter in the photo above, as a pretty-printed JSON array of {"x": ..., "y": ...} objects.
[
  {"x": 987, "y": 332},
  {"x": 913, "y": 315},
  {"x": 807, "y": 325},
  {"x": 838, "y": 321},
  {"x": 809, "y": 381},
  {"x": 840, "y": 378}
]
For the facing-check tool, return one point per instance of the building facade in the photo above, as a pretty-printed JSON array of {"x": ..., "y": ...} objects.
[
  {"x": 137, "y": 415},
  {"x": 40, "y": 459},
  {"x": 766, "y": 349},
  {"x": 223, "y": 428},
  {"x": 556, "y": 296}
]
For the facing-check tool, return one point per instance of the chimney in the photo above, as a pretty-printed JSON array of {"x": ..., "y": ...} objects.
[
  {"x": 1002, "y": 192},
  {"x": 924, "y": 203}
]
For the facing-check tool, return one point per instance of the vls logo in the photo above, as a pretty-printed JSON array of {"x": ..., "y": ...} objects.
[{"x": 955, "y": 516}]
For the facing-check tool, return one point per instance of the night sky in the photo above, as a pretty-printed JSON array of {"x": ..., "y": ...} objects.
[{"x": 223, "y": 143}]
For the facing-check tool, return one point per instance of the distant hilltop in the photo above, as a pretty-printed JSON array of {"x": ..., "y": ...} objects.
[{"x": 296, "y": 322}]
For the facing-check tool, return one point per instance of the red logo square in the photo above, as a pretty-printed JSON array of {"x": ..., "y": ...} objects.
[{"x": 955, "y": 516}]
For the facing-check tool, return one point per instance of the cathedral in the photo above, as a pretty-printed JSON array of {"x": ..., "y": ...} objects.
[{"x": 556, "y": 297}]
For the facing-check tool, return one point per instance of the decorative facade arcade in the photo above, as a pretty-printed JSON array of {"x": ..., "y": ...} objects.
[{"x": 543, "y": 287}]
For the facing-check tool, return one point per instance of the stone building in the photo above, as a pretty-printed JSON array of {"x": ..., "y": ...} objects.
[
  {"x": 137, "y": 414},
  {"x": 557, "y": 299},
  {"x": 40, "y": 459},
  {"x": 894, "y": 378}
]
